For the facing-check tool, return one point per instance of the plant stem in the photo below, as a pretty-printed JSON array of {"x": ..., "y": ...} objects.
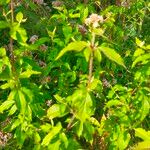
[
  {"x": 11, "y": 40},
  {"x": 91, "y": 58}
]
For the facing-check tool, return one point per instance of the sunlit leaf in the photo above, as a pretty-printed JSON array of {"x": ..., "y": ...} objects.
[
  {"x": 53, "y": 132},
  {"x": 139, "y": 43},
  {"x": 112, "y": 103},
  {"x": 6, "y": 105},
  {"x": 4, "y": 2},
  {"x": 12, "y": 110},
  {"x": 19, "y": 17},
  {"x": 80, "y": 129},
  {"x": 74, "y": 46},
  {"x": 142, "y": 145},
  {"x": 138, "y": 52},
  {"x": 87, "y": 53},
  {"x": 141, "y": 58},
  {"x": 28, "y": 73},
  {"x": 2, "y": 52},
  {"x": 145, "y": 108},
  {"x": 98, "y": 31},
  {"x": 97, "y": 55},
  {"x": 63, "y": 137},
  {"x": 37, "y": 137},
  {"x": 21, "y": 102},
  {"x": 141, "y": 133},
  {"x": 56, "y": 110},
  {"x": 112, "y": 54}
]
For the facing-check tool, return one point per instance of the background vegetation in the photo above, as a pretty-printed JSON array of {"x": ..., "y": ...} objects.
[{"x": 74, "y": 74}]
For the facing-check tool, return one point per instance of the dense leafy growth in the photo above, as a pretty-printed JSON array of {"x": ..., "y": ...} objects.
[{"x": 74, "y": 74}]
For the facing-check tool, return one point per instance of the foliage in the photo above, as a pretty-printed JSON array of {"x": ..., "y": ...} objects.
[{"x": 74, "y": 75}]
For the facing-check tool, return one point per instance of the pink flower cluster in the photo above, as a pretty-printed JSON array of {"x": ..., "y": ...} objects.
[{"x": 94, "y": 20}]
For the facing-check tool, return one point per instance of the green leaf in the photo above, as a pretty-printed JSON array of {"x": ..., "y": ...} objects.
[
  {"x": 4, "y": 24},
  {"x": 141, "y": 133},
  {"x": 97, "y": 55},
  {"x": 56, "y": 145},
  {"x": 19, "y": 17},
  {"x": 2, "y": 52},
  {"x": 53, "y": 132},
  {"x": 142, "y": 146},
  {"x": 87, "y": 53},
  {"x": 38, "y": 43},
  {"x": 98, "y": 31},
  {"x": 112, "y": 103},
  {"x": 84, "y": 107},
  {"x": 37, "y": 137},
  {"x": 56, "y": 110},
  {"x": 63, "y": 137},
  {"x": 46, "y": 127},
  {"x": 18, "y": 33},
  {"x": 58, "y": 98},
  {"x": 84, "y": 14},
  {"x": 139, "y": 43},
  {"x": 145, "y": 108},
  {"x": 138, "y": 52},
  {"x": 4, "y": 2},
  {"x": 16, "y": 123},
  {"x": 80, "y": 130},
  {"x": 12, "y": 110},
  {"x": 21, "y": 102},
  {"x": 123, "y": 140},
  {"x": 94, "y": 84},
  {"x": 74, "y": 46},
  {"x": 6, "y": 105},
  {"x": 28, "y": 73},
  {"x": 141, "y": 58},
  {"x": 111, "y": 54},
  {"x": 9, "y": 84}
]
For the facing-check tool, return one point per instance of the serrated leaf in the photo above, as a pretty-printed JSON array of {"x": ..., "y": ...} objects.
[
  {"x": 53, "y": 132},
  {"x": 141, "y": 133},
  {"x": 142, "y": 58},
  {"x": 112, "y": 55},
  {"x": 74, "y": 46}
]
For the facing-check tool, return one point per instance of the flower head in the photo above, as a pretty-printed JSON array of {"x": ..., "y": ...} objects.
[{"x": 94, "y": 20}]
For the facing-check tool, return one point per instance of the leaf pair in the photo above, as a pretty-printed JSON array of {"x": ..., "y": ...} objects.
[{"x": 80, "y": 45}]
